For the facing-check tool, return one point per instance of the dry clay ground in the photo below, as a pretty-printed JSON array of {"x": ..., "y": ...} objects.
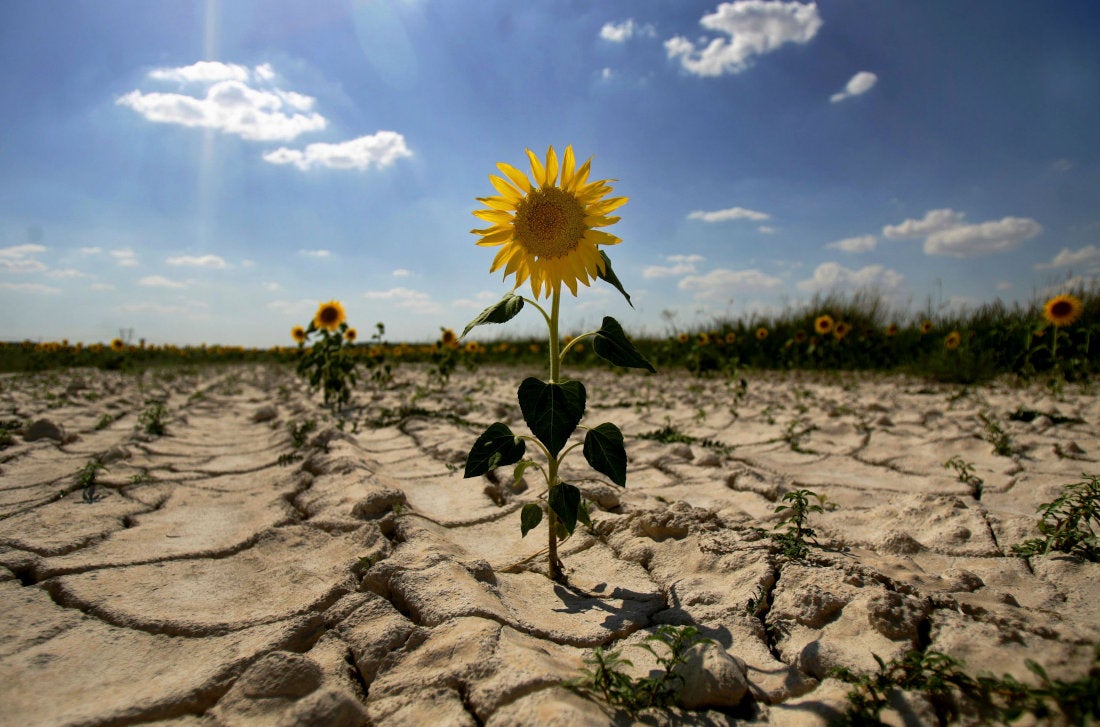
[{"x": 368, "y": 582}]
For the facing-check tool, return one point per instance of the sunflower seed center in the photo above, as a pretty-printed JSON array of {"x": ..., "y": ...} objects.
[{"x": 549, "y": 222}]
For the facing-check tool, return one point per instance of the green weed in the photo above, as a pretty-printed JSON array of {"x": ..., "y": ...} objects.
[
  {"x": 86, "y": 480},
  {"x": 965, "y": 474},
  {"x": 792, "y": 543},
  {"x": 1069, "y": 524}
]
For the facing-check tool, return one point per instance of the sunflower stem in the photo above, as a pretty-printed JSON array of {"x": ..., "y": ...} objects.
[{"x": 552, "y": 463}]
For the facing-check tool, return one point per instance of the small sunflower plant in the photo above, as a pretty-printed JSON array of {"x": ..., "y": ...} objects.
[
  {"x": 328, "y": 363},
  {"x": 547, "y": 229}
]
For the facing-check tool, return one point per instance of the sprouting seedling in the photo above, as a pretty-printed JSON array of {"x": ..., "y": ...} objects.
[
  {"x": 996, "y": 435},
  {"x": 965, "y": 474},
  {"x": 792, "y": 542},
  {"x": 86, "y": 479},
  {"x": 152, "y": 418},
  {"x": 1070, "y": 523}
]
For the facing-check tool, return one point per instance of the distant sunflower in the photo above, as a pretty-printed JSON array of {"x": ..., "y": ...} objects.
[
  {"x": 473, "y": 347},
  {"x": 952, "y": 341},
  {"x": 892, "y": 330},
  {"x": 351, "y": 334},
  {"x": 329, "y": 315},
  {"x": 117, "y": 345},
  {"x": 703, "y": 339},
  {"x": 840, "y": 330},
  {"x": 731, "y": 337},
  {"x": 799, "y": 336},
  {"x": 761, "y": 333},
  {"x": 548, "y": 231},
  {"x": 683, "y": 338},
  {"x": 926, "y": 327},
  {"x": 823, "y": 324},
  {"x": 298, "y": 334},
  {"x": 1062, "y": 310},
  {"x": 448, "y": 339}
]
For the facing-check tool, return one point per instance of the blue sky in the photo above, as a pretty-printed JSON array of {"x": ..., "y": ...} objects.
[{"x": 211, "y": 171}]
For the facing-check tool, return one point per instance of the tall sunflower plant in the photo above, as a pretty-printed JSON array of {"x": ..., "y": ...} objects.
[
  {"x": 547, "y": 227},
  {"x": 328, "y": 363}
]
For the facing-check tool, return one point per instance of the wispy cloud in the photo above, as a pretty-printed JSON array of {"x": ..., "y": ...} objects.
[
  {"x": 681, "y": 265},
  {"x": 725, "y": 283},
  {"x": 125, "y": 257},
  {"x": 627, "y": 29},
  {"x": 20, "y": 259},
  {"x": 732, "y": 213},
  {"x": 401, "y": 273},
  {"x": 748, "y": 28},
  {"x": 317, "y": 254},
  {"x": 90, "y": 250},
  {"x": 857, "y": 85},
  {"x": 34, "y": 288},
  {"x": 200, "y": 261},
  {"x": 946, "y": 232},
  {"x": 1087, "y": 258},
  {"x": 834, "y": 276},
  {"x": 866, "y": 243},
  {"x": 933, "y": 221},
  {"x": 379, "y": 150},
  {"x": 159, "y": 281},
  {"x": 67, "y": 274},
  {"x": 414, "y": 300}
]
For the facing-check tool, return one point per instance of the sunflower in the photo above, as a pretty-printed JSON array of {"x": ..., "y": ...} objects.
[
  {"x": 731, "y": 337},
  {"x": 823, "y": 324},
  {"x": 761, "y": 333},
  {"x": 473, "y": 347},
  {"x": 351, "y": 334},
  {"x": 117, "y": 344},
  {"x": 329, "y": 315},
  {"x": 448, "y": 338},
  {"x": 892, "y": 330},
  {"x": 926, "y": 327},
  {"x": 683, "y": 338},
  {"x": 548, "y": 231},
  {"x": 703, "y": 339},
  {"x": 841, "y": 330},
  {"x": 1062, "y": 310},
  {"x": 799, "y": 336},
  {"x": 952, "y": 341},
  {"x": 298, "y": 334}
]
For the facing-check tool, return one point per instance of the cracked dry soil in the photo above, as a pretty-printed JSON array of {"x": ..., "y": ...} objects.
[{"x": 367, "y": 582}]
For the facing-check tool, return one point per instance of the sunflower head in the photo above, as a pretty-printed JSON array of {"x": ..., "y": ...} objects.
[
  {"x": 683, "y": 338},
  {"x": 473, "y": 347},
  {"x": 731, "y": 337},
  {"x": 840, "y": 330},
  {"x": 448, "y": 338},
  {"x": 926, "y": 327},
  {"x": 761, "y": 333},
  {"x": 298, "y": 334},
  {"x": 117, "y": 345},
  {"x": 703, "y": 339},
  {"x": 351, "y": 334},
  {"x": 1062, "y": 310},
  {"x": 892, "y": 330},
  {"x": 952, "y": 341},
  {"x": 329, "y": 316},
  {"x": 823, "y": 324},
  {"x": 799, "y": 336},
  {"x": 547, "y": 229}
]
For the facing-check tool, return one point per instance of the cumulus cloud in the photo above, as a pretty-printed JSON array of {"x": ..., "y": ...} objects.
[
  {"x": 36, "y": 288},
  {"x": 200, "y": 261},
  {"x": 125, "y": 257},
  {"x": 380, "y": 150},
  {"x": 90, "y": 250},
  {"x": 865, "y": 243},
  {"x": 932, "y": 222},
  {"x": 732, "y": 213},
  {"x": 725, "y": 283},
  {"x": 20, "y": 259},
  {"x": 857, "y": 85},
  {"x": 984, "y": 238},
  {"x": 681, "y": 265},
  {"x": 750, "y": 28},
  {"x": 67, "y": 274},
  {"x": 232, "y": 103},
  {"x": 833, "y": 276},
  {"x": 624, "y": 31},
  {"x": 1086, "y": 258},
  {"x": 401, "y": 273},
  {"x": 414, "y": 300},
  {"x": 318, "y": 254},
  {"x": 159, "y": 281}
]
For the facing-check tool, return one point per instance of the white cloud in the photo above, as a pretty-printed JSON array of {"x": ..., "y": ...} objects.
[
  {"x": 200, "y": 261},
  {"x": 201, "y": 72},
  {"x": 401, "y": 273},
  {"x": 414, "y": 300},
  {"x": 19, "y": 259},
  {"x": 102, "y": 286},
  {"x": 732, "y": 213},
  {"x": 67, "y": 274},
  {"x": 725, "y": 283},
  {"x": 232, "y": 107},
  {"x": 159, "y": 281},
  {"x": 90, "y": 250},
  {"x": 194, "y": 310},
  {"x": 766, "y": 230},
  {"x": 932, "y": 222},
  {"x": 380, "y": 149},
  {"x": 299, "y": 309},
  {"x": 833, "y": 276},
  {"x": 624, "y": 31},
  {"x": 866, "y": 243},
  {"x": 264, "y": 72},
  {"x": 319, "y": 254},
  {"x": 478, "y": 302},
  {"x": 271, "y": 287},
  {"x": 1004, "y": 285},
  {"x": 681, "y": 265},
  {"x": 983, "y": 238},
  {"x": 124, "y": 257},
  {"x": 29, "y": 288},
  {"x": 858, "y": 84},
  {"x": 752, "y": 28},
  {"x": 1087, "y": 258},
  {"x": 607, "y": 74}
]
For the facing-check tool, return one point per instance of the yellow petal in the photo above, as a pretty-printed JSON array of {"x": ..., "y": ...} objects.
[
  {"x": 497, "y": 203},
  {"x": 538, "y": 172},
  {"x": 493, "y": 215},
  {"x": 568, "y": 168},
  {"x": 599, "y": 237},
  {"x": 493, "y": 236},
  {"x": 506, "y": 190},
  {"x": 551, "y": 166},
  {"x": 518, "y": 178}
]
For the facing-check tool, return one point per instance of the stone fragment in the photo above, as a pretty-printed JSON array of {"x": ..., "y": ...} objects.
[
  {"x": 712, "y": 678},
  {"x": 116, "y": 453},
  {"x": 44, "y": 429},
  {"x": 325, "y": 708},
  {"x": 265, "y": 414},
  {"x": 378, "y": 503},
  {"x": 281, "y": 674}
]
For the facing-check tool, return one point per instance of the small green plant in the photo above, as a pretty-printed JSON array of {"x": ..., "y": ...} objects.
[
  {"x": 1070, "y": 523},
  {"x": 104, "y": 421},
  {"x": 796, "y": 431},
  {"x": 669, "y": 645},
  {"x": 7, "y": 428},
  {"x": 328, "y": 364},
  {"x": 152, "y": 418},
  {"x": 996, "y": 435},
  {"x": 86, "y": 479},
  {"x": 757, "y": 603},
  {"x": 299, "y": 433},
  {"x": 141, "y": 478},
  {"x": 792, "y": 542},
  {"x": 965, "y": 474}
]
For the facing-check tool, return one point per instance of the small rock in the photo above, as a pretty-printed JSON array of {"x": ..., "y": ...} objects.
[
  {"x": 712, "y": 678},
  {"x": 44, "y": 429},
  {"x": 710, "y": 459},
  {"x": 810, "y": 606},
  {"x": 114, "y": 454},
  {"x": 265, "y": 414},
  {"x": 895, "y": 616},
  {"x": 605, "y": 496},
  {"x": 378, "y": 503},
  {"x": 957, "y": 579},
  {"x": 325, "y": 708},
  {"x": 682, "y": 451},
  {"x": 280, "y": 674},
  {"x": 884, "y": 421},
  {"x": 1042, "y": 423},
  {"x": 899, "y": 543}
]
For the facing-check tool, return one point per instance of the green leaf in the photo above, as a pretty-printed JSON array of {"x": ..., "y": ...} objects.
[
  {"x": 496, "y": 447},
  {"x": 552, "y": 411},
  {"x": 500, "y": 312},
  {"x": 609, "y": 275},
  {"x": 604, "y": 450},
  {"x": 611, "y": 343},
  {"x": 529, "y": 518},
  {"x": 583, "y": 516},
  {"x": 517, "y": 473},
  {"x": 565, "y": 499}
]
